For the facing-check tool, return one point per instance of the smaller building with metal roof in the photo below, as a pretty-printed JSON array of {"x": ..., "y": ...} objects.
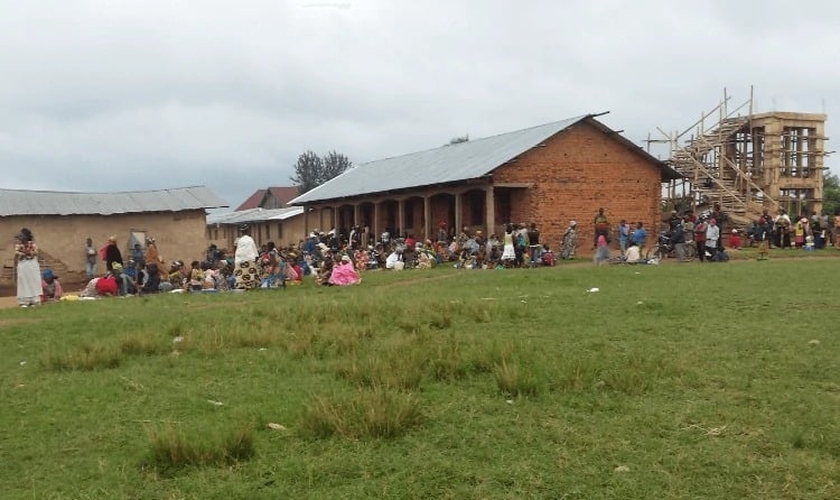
[
  {"x": 62, "y": 221},
  {"x": 283, "y": 226}
]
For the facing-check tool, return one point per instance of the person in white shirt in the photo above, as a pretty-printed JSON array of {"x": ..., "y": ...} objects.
[
  {"x": 632, "y": 255},
  {"x": 391, "y": 261},
  {"x": 712, "y": 237}
]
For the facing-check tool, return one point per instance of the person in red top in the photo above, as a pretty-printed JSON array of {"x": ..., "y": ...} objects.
[
  {"x": 700, "y": 237},
  {"x": 107, "y": 285},
  {"x": 735, "y": 241}
]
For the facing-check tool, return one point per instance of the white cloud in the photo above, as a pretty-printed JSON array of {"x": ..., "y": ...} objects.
[{"x": 116, "y": 96}]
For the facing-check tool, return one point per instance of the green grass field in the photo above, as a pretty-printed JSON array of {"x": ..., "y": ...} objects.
[{"x": 675, "y": 381}]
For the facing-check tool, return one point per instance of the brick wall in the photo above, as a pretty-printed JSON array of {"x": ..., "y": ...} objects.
[{"x": 575, "y": 173}]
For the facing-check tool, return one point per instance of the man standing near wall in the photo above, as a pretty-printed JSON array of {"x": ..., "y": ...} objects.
[
  {"x": 534, "y": 245},
  {"x": 602, "y": 227},
  {"x": 90, "y": 259}
]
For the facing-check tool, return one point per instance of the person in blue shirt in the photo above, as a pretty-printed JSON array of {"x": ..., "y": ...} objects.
[
  {"x": 137, "y": 255},
  {"x": 623, "y": 236},
  {"x": 639, "y": 236}
]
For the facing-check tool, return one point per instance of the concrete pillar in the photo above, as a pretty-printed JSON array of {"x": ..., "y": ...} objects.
[
  {"x": 489, "y": 211},
  {"x": 356, "y": 214},
  {"x": 375, "y": 226},
  {"x": 427, "y": 218},
  {"x": 400, "y": 217},
  {"x": 459, "y": 222},
  {"x": 306, "y": 210},
  {"x": 335, "y": 219}
]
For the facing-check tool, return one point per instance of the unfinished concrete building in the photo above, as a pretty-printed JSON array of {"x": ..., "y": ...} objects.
[{"x": 749, "y": 162}]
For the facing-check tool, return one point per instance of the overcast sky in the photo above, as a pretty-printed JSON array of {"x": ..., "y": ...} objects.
[{"x": 125, "y": 95}]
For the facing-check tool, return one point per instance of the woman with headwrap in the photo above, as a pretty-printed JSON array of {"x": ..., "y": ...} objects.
[
  {"x": 568, "y": 246},
  {"x": 245, "y": 261},
  {"x": 28, "y": 270}
]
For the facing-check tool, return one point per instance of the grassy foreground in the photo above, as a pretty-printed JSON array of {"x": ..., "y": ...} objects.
[{"x": 674, "y": 381}]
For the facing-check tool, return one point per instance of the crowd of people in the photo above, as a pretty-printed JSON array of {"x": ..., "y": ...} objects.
[{"x": 339, "y": 258}]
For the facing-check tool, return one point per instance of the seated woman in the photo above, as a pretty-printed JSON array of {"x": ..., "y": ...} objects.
[
  {"x": 424, "y": 261},
  {"x": 51, "y": 286},
  {"x": 292, "y": 271},
  {"x": 548, "y": 258},
  {"x": 149, "y": 279},
  {"x": 393, "y": 258},
  {"x": 325, "y": 271},
  {"x": 362, "y": 259},
  {"x": 106, "y": 286},
  {"x": 344, "y": 273}
]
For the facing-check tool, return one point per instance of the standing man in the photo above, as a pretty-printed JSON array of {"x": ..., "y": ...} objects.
[
  {"x": 602, "y": 227},
  {"x": 712, "y": 238},
  {"x": 623, "y": 236},
  {"x": 640, "y": 237},
  {"x": 700, "y": 237},
  {"x": 782, "y": 225},
  {"x": 534, "y": 245},
  {"x": 90, "y": 259}
]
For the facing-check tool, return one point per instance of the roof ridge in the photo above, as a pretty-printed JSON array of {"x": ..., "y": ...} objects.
[
  {"x": 571, "y": 120},
  {"x": 51, "y": 191}
]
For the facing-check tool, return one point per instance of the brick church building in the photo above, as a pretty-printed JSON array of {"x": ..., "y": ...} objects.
[{"x": 549, "y": 175}]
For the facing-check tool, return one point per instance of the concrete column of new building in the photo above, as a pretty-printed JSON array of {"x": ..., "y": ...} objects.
[
  {"x": 489, "y": 211},
  {"x": 815, "y": 159},
  {"x": 772, "y": 157}
]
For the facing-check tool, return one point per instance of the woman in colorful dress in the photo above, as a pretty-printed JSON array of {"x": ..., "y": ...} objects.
[
  {"x": 569, "y": 244},
  {"x": 245, "y": 261},
  {"x": 28, "y": 270}
]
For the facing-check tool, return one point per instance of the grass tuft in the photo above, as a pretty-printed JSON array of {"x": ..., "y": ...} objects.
[
  {"x": 392, "y": 372},
  {"x": 141, "y": 345},
  {"x": 171, "y": 449},
  {"x": 87, "y": 358},
  {"x": 378, "y": 414},
  {"x": 512, "y": 382}
]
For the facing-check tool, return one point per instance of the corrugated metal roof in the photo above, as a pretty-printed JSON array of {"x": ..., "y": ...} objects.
[
  {"x": 451, "y": 163},
  {"x": 21, "y": 202},
  {"x": 253, "y": 215},
  {"x": 283, "y": 193}
]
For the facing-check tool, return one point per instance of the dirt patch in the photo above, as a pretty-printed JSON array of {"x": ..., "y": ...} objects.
[
  {"x": 6, "y": 302},
  {"x": 8, "y": 294},
  {"x": 18, "y": 321}
]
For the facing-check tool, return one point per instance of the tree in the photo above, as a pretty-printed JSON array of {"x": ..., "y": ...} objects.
[
  {"x": 308, "y": 171},
  {"x": 459, "y": 139},
  {"x": 335, "y": 164},
  {"x": 312, "y": 170},
  {"x": 831, "y": 194}
]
